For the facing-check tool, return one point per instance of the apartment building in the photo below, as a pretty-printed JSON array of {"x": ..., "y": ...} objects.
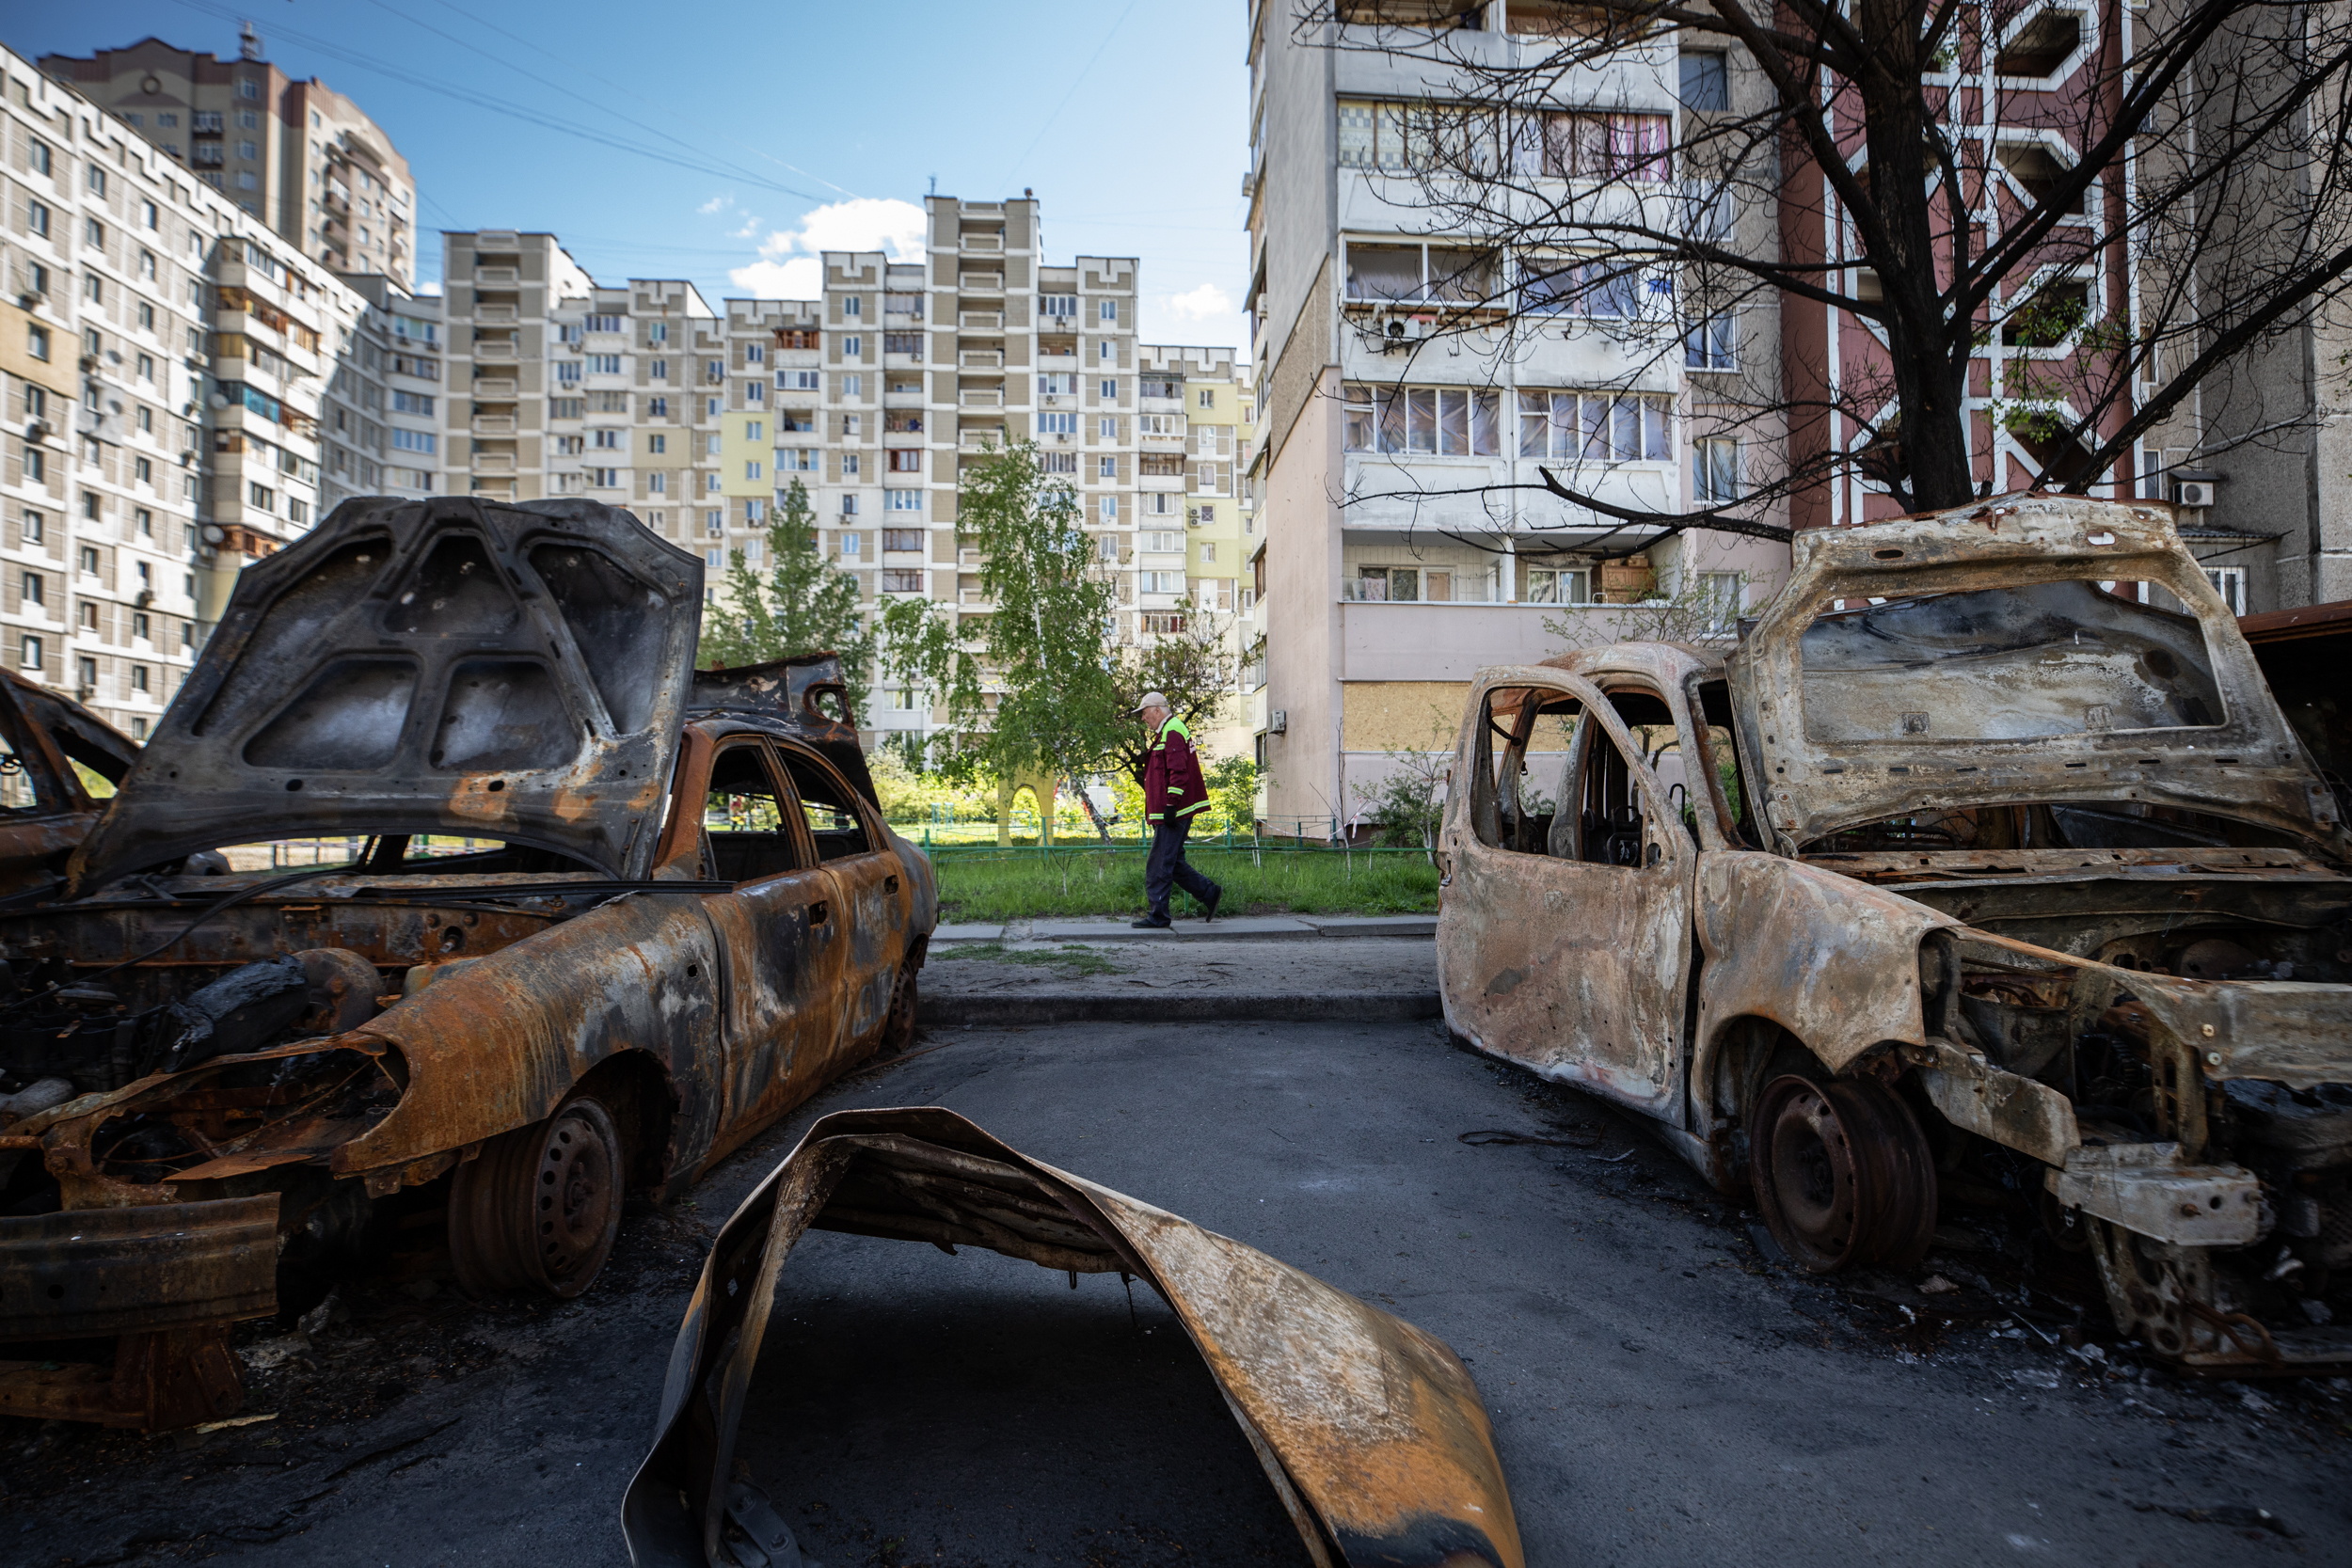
[
  {"x": 1401, "y": 408},
  {"x": 299, "y": 156},
  {"x": 170, "y": 369}
]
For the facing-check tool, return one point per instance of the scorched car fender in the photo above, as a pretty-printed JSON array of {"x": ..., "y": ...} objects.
[{"x": 497, "y": 1045}]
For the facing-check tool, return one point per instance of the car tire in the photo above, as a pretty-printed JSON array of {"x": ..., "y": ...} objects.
[
  {"x": 540, "y": 1206},
  {"x": 897, "y": 1033},
  {"x": 1842, "y": 1174}
]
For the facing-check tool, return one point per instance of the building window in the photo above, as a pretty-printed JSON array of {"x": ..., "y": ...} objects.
[
  {"x": 86, "y": 673},
  {"x": 1714, "y": 471},
  {"x": 755, "y": 391},
  {"x": 1058, "y": 383},
  {"x": 902, "y": 500},
  {"x": 1722, "y": 596},
  {"x": 1058, "y": 307},
  {"x": 28, "y": 654},
  {"x": 797, "y": 460},
  {"x": 138, "y": 679},
  {"x": 1600, "y": 290},
  {"x": 1208, "y": 553},
  {"x": 607, "y": 440},
  {"x": 851, "y": 466},
  {"x": 604, "y": 364},
  {"x": 1586, "y": 145},
  {"x": 1108, "y": 311},
  {"x": 1594, "y": 427},
  {"x": 1418, "y": 135},
  {"x": 1706, "y": 83},
  {"x": 604, "y": 479},
  {"x": 1110, "y": 391},
  {"x": 1208, "y": 397},
  {"x": 896, "y": 581},
  {"x": 2230, "y": 582},
  {"x": 1208, "y": 516},
  {"x": 37, "y": 218},
  {"x": 413, "y": 403},
  {"x": 1457, "y": 274},
  {"x": 36, "y": 528},
  {"x": 142, "y": 628},
  {"x": 1110, "y": 509},
  {"x": 753, "y": 469},
  {"x": 603, "y": 323},
  {"x": 415, "y": 440},
  {"x": 903, "y": 539},
  {"x": 848, "y": 506},
  {"x": 1106, "y": 429},
  {"x": 1440, "y": 422},
  {"x": 33, "y": 588},
  {"x": 906, "y": 460},
  {"x": 1713, "y": 343},
  {"x": 89, "y": 561},
  {"x": 1106, "y": 467},
  {"x": 657, "y": 369},
  {"x": 37, "y": 341},
  {"x": 1559, "y": 585},
  {"x": 1051, "y": 422},
  {"x": 1104, "y": 352},
  {"x": 853, "y": 307}
]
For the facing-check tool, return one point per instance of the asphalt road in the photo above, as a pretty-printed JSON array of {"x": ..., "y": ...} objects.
[{"x": 1661, "y": 1392}]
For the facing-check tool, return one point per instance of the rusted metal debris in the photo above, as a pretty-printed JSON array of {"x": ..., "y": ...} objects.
[
  {"x": 690, "y": 918},
  {"x": 1370, "y": 1429},
  {"x": 1958, "y": 858}
]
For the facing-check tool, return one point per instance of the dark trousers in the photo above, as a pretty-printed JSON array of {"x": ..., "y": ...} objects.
[{"x": 1168, "y": 867}]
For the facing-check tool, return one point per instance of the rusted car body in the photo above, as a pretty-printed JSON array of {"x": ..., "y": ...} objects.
[
  {"x": 688, "y": 916},
  {"x": 46, "y": 808},
  {"x": 1981, "y": 871},
  {"x": 1370, "y": 1429}
]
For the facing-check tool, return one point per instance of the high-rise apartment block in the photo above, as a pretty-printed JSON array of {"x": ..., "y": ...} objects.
[
  {"x": 1405, "y": 410},
  {"x": 872, "y": 396},
  {"x": 299, "y": 156},
  {"x": 184, "y": 392}
]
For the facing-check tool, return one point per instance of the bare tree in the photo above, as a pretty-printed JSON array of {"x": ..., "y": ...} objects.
[{"x": 1974, "y": 226}]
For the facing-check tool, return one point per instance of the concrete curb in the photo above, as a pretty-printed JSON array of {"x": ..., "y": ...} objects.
[{"x": 1207, "y": 1008}]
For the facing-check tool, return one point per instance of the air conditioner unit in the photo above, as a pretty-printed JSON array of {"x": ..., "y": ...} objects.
[
  {"x": 2193, "y": 486},
  {"x": 37, "y": 430},
  {"x": 1278, "y": 721}
]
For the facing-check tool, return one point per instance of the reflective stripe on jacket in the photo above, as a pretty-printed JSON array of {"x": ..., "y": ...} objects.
[{"x": 1172, "y": 784}]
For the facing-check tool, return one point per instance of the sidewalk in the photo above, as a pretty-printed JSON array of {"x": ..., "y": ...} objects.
[
  {"x": 1056, "y": 975},
  {"x": 1240, "y": 928}
]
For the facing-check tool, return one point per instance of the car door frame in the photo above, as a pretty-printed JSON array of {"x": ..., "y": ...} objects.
[
  {"x": 872, "y": 909},
  {"x": 1650, "y": 1077},
  {"x": 779, "y": 963}
]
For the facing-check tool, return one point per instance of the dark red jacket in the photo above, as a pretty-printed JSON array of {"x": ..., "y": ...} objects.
[{"x": 1172, "y": 784}]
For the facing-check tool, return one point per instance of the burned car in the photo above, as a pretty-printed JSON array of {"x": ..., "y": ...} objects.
[
  {"x": 675, "y": 913},
  {"x": 1967, "y": 866},
  {"x": 53, "y": 752}
]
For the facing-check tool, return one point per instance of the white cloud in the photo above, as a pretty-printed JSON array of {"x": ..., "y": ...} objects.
[
  {"x": 751, "y": 228},
  {"x": 713, "y": 204},
  {"x": 789, "y": 268},
  {"x": 802, "y": 277},
  {"x": 1200, "y": 304}
]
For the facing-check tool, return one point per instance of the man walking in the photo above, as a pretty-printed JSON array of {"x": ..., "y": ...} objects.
[{"x": 1173, "y": 789}]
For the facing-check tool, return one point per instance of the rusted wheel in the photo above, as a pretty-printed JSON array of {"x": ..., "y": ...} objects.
[
  {"x": 1842, "y": 1174},
  {"x": 540, "y": 1206},
  {"x": 897, "y": 1031}
]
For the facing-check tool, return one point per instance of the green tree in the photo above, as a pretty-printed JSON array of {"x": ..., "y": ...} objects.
[
  {"x": 1042, "y": 653},
  {"x": 1194, "y": 669},
  {"x": 803, "y": 605}
]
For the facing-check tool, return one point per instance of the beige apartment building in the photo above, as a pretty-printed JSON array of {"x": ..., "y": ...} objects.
[
  {"x": 171, "y": 373},
  {"x": 873, "y": 396},
  {"x": 299, "y": 156}
]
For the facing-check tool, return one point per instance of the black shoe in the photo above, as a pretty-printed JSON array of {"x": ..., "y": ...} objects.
[
  {"x": 1217, "y": 896},
  {"x": 1148, "y": 924}
]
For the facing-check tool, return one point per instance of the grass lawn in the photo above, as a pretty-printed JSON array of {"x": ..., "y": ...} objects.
[{"x": 980, "y": 886}]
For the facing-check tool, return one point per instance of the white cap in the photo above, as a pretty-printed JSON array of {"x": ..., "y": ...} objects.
[{"x": 1152, "y": 700}]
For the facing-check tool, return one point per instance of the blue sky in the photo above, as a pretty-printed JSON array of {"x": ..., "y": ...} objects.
[{"x": 774, "y": 130}]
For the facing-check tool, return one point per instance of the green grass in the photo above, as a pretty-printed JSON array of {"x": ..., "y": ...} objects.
[
  {"x": 983, "y": 886},
  {"x": 1069, "y": 958}
]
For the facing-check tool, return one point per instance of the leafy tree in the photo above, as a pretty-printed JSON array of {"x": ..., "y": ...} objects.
[
  {"x": 1031, "y": 690},
  {"x": 1194, "y": 669},
  {"x": 804, "y": 605}
]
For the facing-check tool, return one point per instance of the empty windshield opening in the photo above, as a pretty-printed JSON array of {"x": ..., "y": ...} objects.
[
  {"x": 382, "y": 854},
  {"x": 1993, "y": 664}
]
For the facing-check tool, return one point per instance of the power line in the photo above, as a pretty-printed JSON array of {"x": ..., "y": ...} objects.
[
  {"x": 541, "y": 120},
  {"x": 1074, "y": 84}
]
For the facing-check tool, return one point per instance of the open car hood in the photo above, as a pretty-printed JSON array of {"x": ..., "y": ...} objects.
[
  {"x": 1996, "y": 670},
  {"x": 447, "y": 666},
  {"x": 1370, "y": 1429}
]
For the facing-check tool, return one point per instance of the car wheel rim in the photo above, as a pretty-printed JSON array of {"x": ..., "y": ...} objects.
[
  {"x": 1842, "y": 1174},
  {"x": 573, "y": 1201}
]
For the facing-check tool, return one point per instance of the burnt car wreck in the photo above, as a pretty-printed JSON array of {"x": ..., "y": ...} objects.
[
  {"x": 1962, "y": 856},
  {"x": 1370, "y": 1429},
  {"x": 681, "y": 914}
]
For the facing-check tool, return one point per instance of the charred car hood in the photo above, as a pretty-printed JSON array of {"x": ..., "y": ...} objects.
[
  {"x": 1974, "y": 659},
  {"x": 447, "y": 666}
]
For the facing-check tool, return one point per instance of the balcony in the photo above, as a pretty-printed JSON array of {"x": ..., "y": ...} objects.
[
  {"x": 493, "y": 463},
  {"x": 495, "y": 388},
  {"x": 489, "y": 314},
  {"x": 496, "y": 350},
  {"x": 975, "y": 440},
  {"x": 980, "y": 283},
  {"x": 981, "y": 359},
  {"x": 494, "y": 425},
  {"x": 980, "y": 321},
  {"x": 975, "y": 398},
  {"x": 981, "y": 244},
  {"x": 1438, "y": 588},
  {"x": 497, "y": 277},
  {"x": 1057, "y": 361}
]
